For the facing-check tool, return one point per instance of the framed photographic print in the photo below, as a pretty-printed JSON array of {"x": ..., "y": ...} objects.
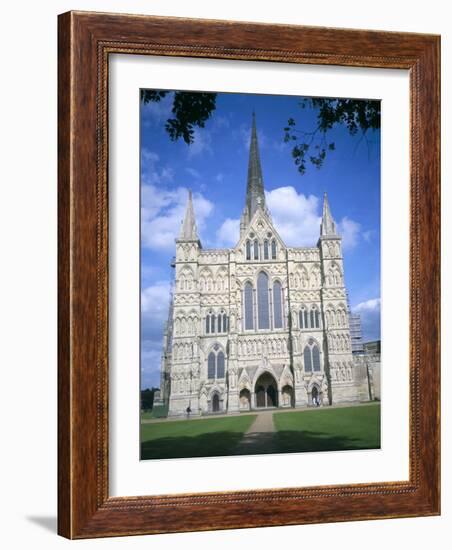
[{"x": 248, "y": 275}]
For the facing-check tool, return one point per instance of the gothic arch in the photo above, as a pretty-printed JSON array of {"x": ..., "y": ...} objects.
[
  {"x": 286, "y": 378},
  {"x": 215, "y": 389},
  {"x": 244, "y": 382},
  {"x": 266, "y": 389},
  {"x": 301, "y": 277},
  {"x": 315, "y": 276},
  {"x": 335, "y": 275},
  {"x": 186, "y": 278},
  {"x": 262, "y": 370},
  {"x": 314, "y": 381}
]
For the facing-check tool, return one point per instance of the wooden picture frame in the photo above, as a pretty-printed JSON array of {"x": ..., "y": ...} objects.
[{"x": 85, "y": 42}]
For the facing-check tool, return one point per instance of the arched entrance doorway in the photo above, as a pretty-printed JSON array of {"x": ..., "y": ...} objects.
[
  {"x": 315, "y": 396},
  {"x": 245, "y": 399},
  {"x": 266, "y": 391},
  {"x": 215, "y": 402},
  {"x": 286, "y": 396}
]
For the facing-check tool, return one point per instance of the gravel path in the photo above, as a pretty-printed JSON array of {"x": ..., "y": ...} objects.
[{"x": 260, "y": 436}]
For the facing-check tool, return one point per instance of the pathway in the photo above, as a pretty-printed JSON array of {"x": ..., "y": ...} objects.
[{"x": 260, "y": 436}]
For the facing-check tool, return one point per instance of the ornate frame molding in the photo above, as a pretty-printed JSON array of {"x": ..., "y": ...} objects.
[{"x": 85, "y": 42}]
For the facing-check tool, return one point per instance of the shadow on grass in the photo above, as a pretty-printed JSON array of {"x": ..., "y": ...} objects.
[
  {"x": 230, "y": 443},
  {"x": 221, "y": 443},
  {"x": 291, "y": 441}
]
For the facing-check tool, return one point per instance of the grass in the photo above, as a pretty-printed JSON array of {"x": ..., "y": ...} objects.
[
  {"x": 193, "y": 438},
  {"x": 326, "y": 429}
]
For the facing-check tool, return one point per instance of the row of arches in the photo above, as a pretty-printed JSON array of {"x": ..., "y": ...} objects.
[
  {"x": 300, "y": 278},
  {"x": 186, "y": 326},
  {"x": 308, "y": 319},
  {"x": 216, "y": 324},
  {"x": 341, "y": 371},
  {"x": 207, "y": 281},
  {"x": 180, "y": 383},
  {"x": 257, "y": 347},
  {"x": 263, "y": 307},
  {"x": 333, "y": 248},
  {"x": 334, "y": 276},
  {"x": 336, "y": 317},
  {"x": 182, "y": 351},
  {"x": 256, "y": 250},
  {"x": 339, "y": 342}
]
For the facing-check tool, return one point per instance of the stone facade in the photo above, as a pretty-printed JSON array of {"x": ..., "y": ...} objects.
[{"x": 261, "y": 324}]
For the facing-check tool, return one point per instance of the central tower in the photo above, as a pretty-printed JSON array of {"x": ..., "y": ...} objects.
[{"x": 255, "y": 195}]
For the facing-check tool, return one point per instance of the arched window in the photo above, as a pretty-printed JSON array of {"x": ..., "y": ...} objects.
[
  {"x": 207, "y": 324},
  {"x": 307, "y": 359},
  {"x": 220, "y": 365},
  {"x": 248, "y": 250},
  {"x": 317, "y": 318},
  {"x": 316, "y": 358},
  {"x": 277, "y": 305},
  {"x": 215, "y": 363},
  {"x": 225, "y": 322},
  {"x": 262, "y": 301},
  {"x": 211, "y": 365},
  {"x": 212, "y": 323},
  {"x": 248, "y": 305},
  {"x": 301, "y": 318},
  {"x": 273, "y": 249},
  {"x": 265, "y": 249},
  {"x": 256, "y": 249},
  {"x": 311, "y": 357},
  {"x": 306, "y": 319},
  {"x": 312, "y": 319}
]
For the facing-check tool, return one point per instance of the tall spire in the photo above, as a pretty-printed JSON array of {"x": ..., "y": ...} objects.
[
  {"x": 255, "y": 195},
  {"x": 328, "y": 226},
  {"x": 188, "y": 231}
]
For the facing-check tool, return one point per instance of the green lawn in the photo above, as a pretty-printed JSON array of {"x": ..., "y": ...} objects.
[
  {"x": 323, "y": 429},
  {"x": 328, "y": 429},
  {"x": 193, "y": 438}
]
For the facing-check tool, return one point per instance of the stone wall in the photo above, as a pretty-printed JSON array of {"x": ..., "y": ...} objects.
[{"x": 367, "y": 376}]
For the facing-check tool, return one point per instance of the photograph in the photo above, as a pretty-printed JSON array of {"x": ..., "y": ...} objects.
[{"x": 260, "y": 274}]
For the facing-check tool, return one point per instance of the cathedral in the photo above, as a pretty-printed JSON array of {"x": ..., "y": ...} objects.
[{"x": 260, "y": 325}]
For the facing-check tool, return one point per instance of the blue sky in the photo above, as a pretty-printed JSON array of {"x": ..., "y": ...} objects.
[{"x": 215, "y": 167}]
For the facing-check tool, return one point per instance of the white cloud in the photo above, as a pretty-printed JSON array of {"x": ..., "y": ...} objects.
[
  {"x": 295, "y": 216},
  {"x": 280, "y": 145},
  {"x": 155, "y": 112},
  {"x": 151, "y": 174},
  {"x": 194, "y": 173},
  {"x": 162, "y": 212},
  {"x": 370, "y": 318},
  {"x": 368, "y": 235},
  {"x": 368, "y": 305},
  {"x": 220, "y": 122},
  {"x": 349, "y": 230},
  {"x": 201, "y": 144},
  {"x": 154, "y": 312},
  {"x": 229, "y": 232},
  {"x": 154, "y": 300}
]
